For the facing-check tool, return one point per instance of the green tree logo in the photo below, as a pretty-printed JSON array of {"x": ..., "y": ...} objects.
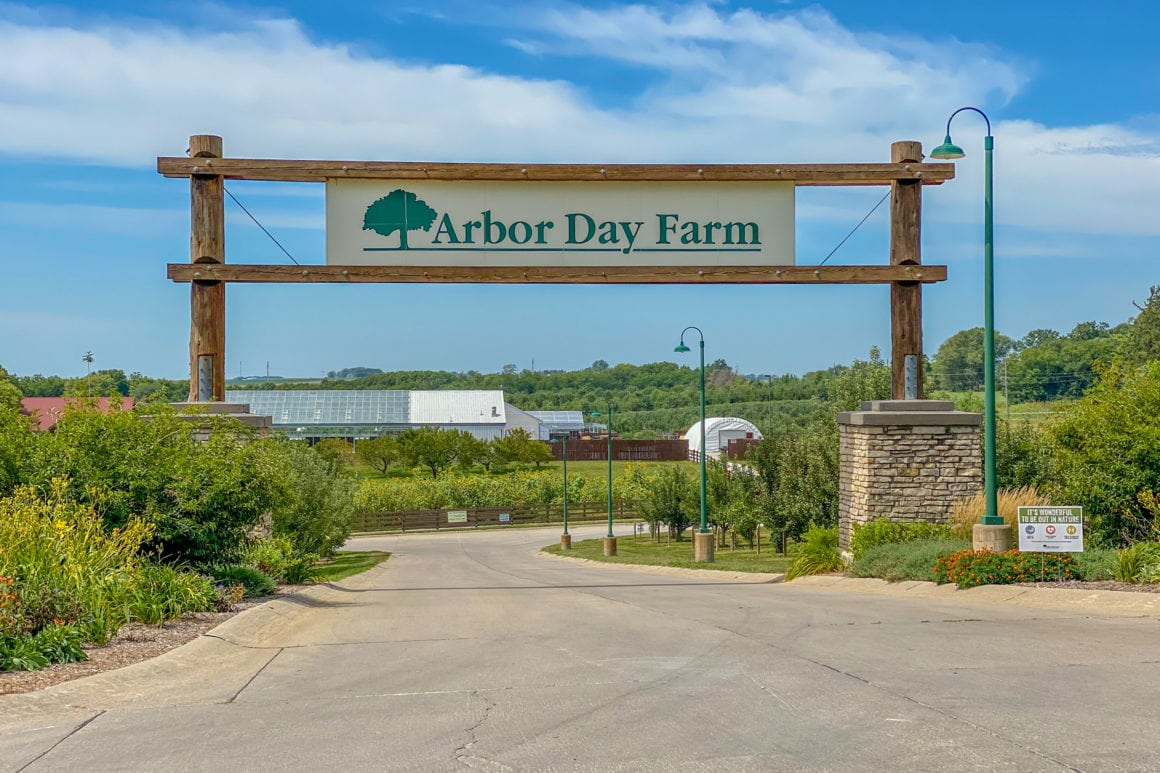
[{"x": 400, "y": 211}]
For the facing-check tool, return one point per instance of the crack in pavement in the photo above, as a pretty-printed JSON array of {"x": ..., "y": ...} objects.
[
  {"x": 470, "y": 760},
  {"x": 71, "y": 733}
]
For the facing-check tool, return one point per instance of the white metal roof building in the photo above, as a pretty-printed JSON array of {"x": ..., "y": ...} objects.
[
  {"x": 719, "y": 431},
  {"x": 364, "y": 413}
]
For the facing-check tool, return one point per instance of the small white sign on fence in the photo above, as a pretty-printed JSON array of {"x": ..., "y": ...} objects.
[
  {"x": 456, "y": 516},
  {"x": 505, "y": 517},
  {"x": 1050, "y": 529}
]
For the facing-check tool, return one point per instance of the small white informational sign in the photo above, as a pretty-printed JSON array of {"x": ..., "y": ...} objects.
[
  {"x": 456, "y": 516},
  {"x": 1053, "y": 529},
  {"x": 505, "y": 517}
]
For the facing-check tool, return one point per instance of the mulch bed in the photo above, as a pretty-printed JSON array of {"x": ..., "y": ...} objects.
[{"x": 132, "y": 644}]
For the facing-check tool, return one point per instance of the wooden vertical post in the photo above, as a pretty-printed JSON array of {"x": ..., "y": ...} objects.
[
  {"x": 207, "y": 300},
  {"x": 906, "y": 297}
]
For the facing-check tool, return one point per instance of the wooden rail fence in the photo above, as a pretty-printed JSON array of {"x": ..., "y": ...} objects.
[{"x": 467, "y": 517}]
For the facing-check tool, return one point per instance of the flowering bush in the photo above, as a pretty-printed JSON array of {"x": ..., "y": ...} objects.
[{"x": 969, "y": 568}]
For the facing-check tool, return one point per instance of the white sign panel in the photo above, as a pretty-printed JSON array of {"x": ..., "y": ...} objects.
[
  {"x": 465, "y": 223},
  {"x": 1050, "y": 529},
  {"x": 456, "y": 516}
]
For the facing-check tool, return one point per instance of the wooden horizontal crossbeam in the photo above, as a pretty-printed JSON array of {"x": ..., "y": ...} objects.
[
  {"x": 321, "y": 171},
  {"x": 202, "y": 272}
]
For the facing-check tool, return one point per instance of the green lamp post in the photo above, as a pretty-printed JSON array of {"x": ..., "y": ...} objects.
[
  {"x": 948, "y": 150},
  {"x": 703, "y": 547},
  {"x": 565, "y": 538},
  {"x": 609, "y": 539}
]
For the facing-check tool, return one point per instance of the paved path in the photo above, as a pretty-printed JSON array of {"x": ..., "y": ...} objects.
[{"x": 472, "y": 651}]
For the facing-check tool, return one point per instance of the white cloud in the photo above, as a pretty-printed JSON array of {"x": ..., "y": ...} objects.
[{"x": 729, "y": 86}]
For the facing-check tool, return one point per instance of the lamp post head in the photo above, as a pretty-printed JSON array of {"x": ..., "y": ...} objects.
[
  {"x": 948, "y": 150},
  {"x": 681, "y": 348}
]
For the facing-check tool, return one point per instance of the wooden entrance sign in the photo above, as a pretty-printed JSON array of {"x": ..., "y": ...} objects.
[{"x": 208, "y": 272}]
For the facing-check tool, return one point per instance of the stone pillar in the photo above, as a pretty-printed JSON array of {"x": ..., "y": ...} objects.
[
  {"x": 609, "y": 546},
  {"x": 906, "y": 460}
]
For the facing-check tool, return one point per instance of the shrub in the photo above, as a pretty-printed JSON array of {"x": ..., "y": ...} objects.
[
  {"x": 1107, "y": 453},
  {"x": 1137, "y": 563},
  {"x": 817, "y": 554},
  {"x": 20, "y": 653},
  {"x": 158, "y": 593},
  {"x": 62, "y": 567},
  {"x": 316, "y": 509},
  {"x": 965, "y": 513},
  {"x": 969, "y": 568},
  {"x": 883, "y": 531},
  {"x": 1095, "y": 564},
  {"x": 898, "y": 561},
  {"x": 270, "y": 556},
  {"x": 256, "y": 582}
]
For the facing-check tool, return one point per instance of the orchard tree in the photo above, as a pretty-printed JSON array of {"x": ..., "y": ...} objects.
[
  {"x": 433, "y": 448},
  {"x": 380, "y": 452},
  {"x": 1143, "y": 344}
]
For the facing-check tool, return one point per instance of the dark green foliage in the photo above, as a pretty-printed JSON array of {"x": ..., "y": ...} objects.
[
  {"x": 884, "y": 531},
  {"x": 1096, "y": 564},
  {"x": 1064, "y": 366},
  {"x": 315, "y": 506},
  {"x": 899, "y": 561},
  {"x": 1108, "y": 454},
  {"x": 797, "y": 477},
  {"x": 1137, "y": 563},
  {"x": 958, "y": 364},
  {"x": 159, "y": 593},
  {"x": 1143, "y": 341},
  {"x": 969, "y": 568},
  {"x": 53, "y": 644},
  {"x": 1023, "y": 455},
  {"x": 256, "y": 582},
  {"x": 671, "y": 498},
  {"x": 818, "y": 553},
  {"x": 436, "y": 449}
]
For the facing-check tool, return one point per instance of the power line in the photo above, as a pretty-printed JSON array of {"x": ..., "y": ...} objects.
[
  {"x": 243, "y": 206},
  {"x": 855, "y": 228}
]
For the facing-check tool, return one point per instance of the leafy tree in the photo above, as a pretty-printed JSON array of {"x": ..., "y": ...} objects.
[
  {"x": 1107, "y": 454},
  {"x": 671, "y": 498},
  {"x": 336, "y": 451},
  {"x": 1037, "y": 337},
  {"x": 958, "y": 364},
  {"x": 864, "y": 380},
  {"x": 10, "y": 395},
  {"x": 1065, "y": 366},
  {"x": 599, "y": 365},
  {"x": 519, "y": 446},
  {"x": 315, "y": 506},
  {"x": 380, "y": 452},
  {"x": 1143, "y": 344},
  {"x": 40, "y": 386},
  {"x": 435, "y": 449},
  {"x": 400, "y": 211}
]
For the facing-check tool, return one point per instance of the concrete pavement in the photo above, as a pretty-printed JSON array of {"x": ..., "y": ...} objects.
[{"x": 469, "y": 650}]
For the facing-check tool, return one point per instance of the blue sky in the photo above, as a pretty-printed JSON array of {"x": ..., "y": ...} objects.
[{"x": 91, "y": 93}]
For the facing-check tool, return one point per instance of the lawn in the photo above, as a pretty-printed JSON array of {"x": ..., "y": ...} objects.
[
  {"x": 642, "y": 550},
  {"x": 347, "y": 563}
]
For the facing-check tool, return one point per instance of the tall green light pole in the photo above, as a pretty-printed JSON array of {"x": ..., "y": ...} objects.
[
  {"x": 682, "y": 349},
  {"x": 610, "y": 539},
  {"x": 566, "y": 538},
  {"x": 948, "y": 150}
]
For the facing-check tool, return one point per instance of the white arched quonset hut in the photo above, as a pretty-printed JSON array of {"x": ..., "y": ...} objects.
[{"x": 719, "y": 430}]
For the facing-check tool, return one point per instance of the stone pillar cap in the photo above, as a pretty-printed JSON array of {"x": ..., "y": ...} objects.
[{"x": 907, "y": 405}]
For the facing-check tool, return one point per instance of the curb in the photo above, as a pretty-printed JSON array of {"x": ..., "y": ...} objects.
[
  {"x": 675, "y": 571},
  {"x": 1099, "y": 602}
]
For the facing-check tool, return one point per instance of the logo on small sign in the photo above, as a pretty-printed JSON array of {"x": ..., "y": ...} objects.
[
  {"x": 1050, "y": 529},
  {"x": 1071, "y": 530},
  {"x": 1029, "y": 529}
]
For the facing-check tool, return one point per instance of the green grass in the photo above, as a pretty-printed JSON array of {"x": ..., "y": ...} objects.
[
  {"x": 642, "y": 550},
  {"x": 347, "y": 563}
]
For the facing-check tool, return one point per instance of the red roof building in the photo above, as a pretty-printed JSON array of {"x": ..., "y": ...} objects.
[{"x": 48, "y": 410}]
